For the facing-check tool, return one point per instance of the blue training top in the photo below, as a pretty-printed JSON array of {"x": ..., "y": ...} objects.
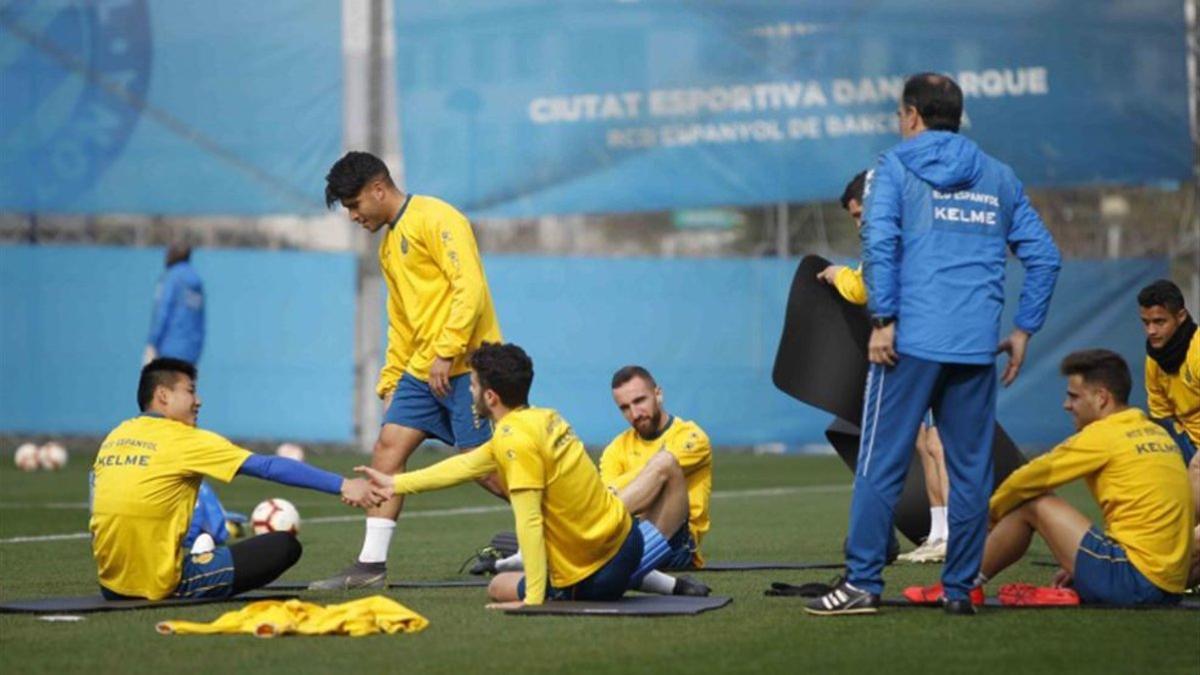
[{"x": 177, "y": 325}]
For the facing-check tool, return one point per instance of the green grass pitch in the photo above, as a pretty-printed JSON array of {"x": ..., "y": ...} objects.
[{"x": 765, "y": 508}]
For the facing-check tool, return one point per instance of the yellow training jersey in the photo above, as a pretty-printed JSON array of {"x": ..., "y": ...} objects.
[
  {"x": 850, "y": 285},
  {"x": 1135, "y": 471},
  {"x": 1177, "y": 396},
  {"x": 146, "y": 476},
  {"x": 438, "y": 298},
  {"x": 628, "y": 453}
]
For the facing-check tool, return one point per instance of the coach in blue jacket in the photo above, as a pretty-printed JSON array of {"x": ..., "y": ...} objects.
[
  {"x": 177, "y": 324},
  {"x": 939, "y": 216}
]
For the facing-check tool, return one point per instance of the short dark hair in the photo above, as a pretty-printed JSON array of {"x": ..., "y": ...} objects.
[
  {"x": 505, "y": 369},
  {"x": 854, "y": 189},
  {"x": 936, "y": 98},
  {"x": 1163, "y": 293},
  {"x": 178, "y": 252},
  {"x": 160, "y": 373},
  {"x": 1100, "y": 367},
  {"x": 348, "y": 176},
  {"x": 627, "y": 373}
]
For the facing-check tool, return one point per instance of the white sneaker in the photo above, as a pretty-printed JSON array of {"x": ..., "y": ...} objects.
[{"x": 932, "y": 551}]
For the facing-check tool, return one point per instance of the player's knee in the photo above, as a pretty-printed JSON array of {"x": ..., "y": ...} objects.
[
  {"x": 1194, "y": 465},
  {"x": 665, "y": 465},
  {"x": 389, "y": 455},
  {"x": 292, "y": 549}
]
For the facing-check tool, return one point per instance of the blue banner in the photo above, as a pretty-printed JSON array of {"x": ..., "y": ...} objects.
[
  {"x": 168, "y": 107},
  {"x": 519, "y": 108}
]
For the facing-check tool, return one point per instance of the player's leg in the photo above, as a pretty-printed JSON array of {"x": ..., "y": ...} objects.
[
  {"x": 507, "y": 587},
  {"x": 929, "y": 450},
  {"x": 1059, "y": 524},
  {"x": 965, "y": 408},
  {"x": 1194, "y": 479},
  {"x": 258, "y": 561},
  {"x": 658, "y": 493}
]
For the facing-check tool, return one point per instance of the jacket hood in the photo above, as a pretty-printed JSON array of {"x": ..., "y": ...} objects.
[{"x": 943, "y": 159}]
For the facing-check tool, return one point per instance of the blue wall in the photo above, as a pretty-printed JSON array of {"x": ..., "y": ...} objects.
[
  {"x": 278, "y": 361},
  {"x": 279, "y": 358}
]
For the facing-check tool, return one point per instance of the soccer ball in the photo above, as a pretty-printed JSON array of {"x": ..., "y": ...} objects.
[
  {"x": 52, "y": 456},
  {"x": 26, "y": 457},
  {"x": 275, "y": 515},
  {"x": 290, "y": 451}
]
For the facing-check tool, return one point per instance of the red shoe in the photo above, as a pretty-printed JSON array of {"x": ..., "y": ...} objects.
[
  {"x": 932, "y": 595},
  {"x": 1028, "y": 595}
]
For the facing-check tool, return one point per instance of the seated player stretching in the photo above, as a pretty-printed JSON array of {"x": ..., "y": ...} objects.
[
  {"x": 145, "y": 479},
  {"x": 1132, "y": 468},
  {"x": 579, "y": 540},
  {"x": 644, "y": 466}
]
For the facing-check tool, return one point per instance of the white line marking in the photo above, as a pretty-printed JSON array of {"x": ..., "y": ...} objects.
[{"x": 440, "y": 513}]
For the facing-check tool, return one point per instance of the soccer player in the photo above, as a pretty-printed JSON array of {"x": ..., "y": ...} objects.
[
  {"x": 579, "y": 540},
  {"x": 177, "y": 322},
  {"x": 938, "y": 218},
  {"x": 439, "y": 310},
  {"x": 144, "y": 484},
  {"x": 850, "y": 285},
  {"x": 1133, "y": 470}
]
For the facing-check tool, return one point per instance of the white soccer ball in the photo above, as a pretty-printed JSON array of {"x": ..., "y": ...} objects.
[
  {"x": 26, "y": 457},
  {"x": 275, "y": 515},
  {"x": 290, "y": 451},
  {"x": 52, "y": 456}
]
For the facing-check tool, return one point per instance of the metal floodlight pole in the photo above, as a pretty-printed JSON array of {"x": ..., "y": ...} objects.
[{"x": 1191, "y": 9}]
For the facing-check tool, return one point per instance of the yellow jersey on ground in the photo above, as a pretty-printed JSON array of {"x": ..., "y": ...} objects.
[
  {"x": 628, "y": 453},
  {"x": 1135, "y": 472},
  {"x": 850, "y": 285},
  {"x": 145, "y": 479},
  {"x": 438, "y": 301},
  {"x": 583, "y": 523},
  {"x": 1177, "y": 397}
]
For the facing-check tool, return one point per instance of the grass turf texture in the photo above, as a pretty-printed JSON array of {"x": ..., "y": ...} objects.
[{"x": 766, "y": 508}]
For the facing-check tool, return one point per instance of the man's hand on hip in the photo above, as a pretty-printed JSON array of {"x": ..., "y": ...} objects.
[
  {"x": 439, "y": 376},
  {"x": 882, "y": 347},
  {"x": 1014, "y": 346}
]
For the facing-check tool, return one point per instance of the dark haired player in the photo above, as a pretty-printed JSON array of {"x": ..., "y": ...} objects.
[
  {"x": 144, "y": 484},
  {"x": 578, "y": 539},
  {"x": 1133, "y": 470},
  {"x": 439, "y": 310}
]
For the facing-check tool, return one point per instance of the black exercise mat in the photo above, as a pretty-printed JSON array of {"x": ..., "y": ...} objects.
[
  {"x": 912, "y": 511},
  {"x": 1187, "y": 604},
  {"x": 738, "y": 566},
  {"x": 84, "y": 604},
  {"x": 634, "y": 605},
  {"x": 448, "y": 583}
]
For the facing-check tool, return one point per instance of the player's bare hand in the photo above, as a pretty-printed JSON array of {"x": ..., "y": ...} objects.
[
  {"x": 1062, "y": 579},
  {"x": 1014, "y": 346},
  {"x": 380, "y": 481},
  {"x": 829, "y": 274},
  {"x": 358, "y": 492},
  {"x": 882, "y": 347},
  {"x": 387, "y": 399},
  {"x": 149, "y": 355},
  {"x": 515, "y": 604},
  {"x": 439, "y": 376}
]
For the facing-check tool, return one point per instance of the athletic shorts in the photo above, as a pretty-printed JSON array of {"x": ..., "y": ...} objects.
[
  {"x": 607, "y": 583},
  {"x": 451, "y": 420},
  {"x": 1104, "y": 574},
  {"x": 683, "y": 549},
  {"x": 207, "y": 575}
]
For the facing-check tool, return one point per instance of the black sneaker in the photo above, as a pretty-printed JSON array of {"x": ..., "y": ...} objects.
[
  {"x": 357, "y": 575},
  {"x": 690, "y": 586},
  {"x": 485, "y": 561},
  {"x": 845, "y": 599},
  {"x": 960, "y": 607}
]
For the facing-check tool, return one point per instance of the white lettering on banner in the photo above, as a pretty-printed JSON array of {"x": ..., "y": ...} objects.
[
  {"x": 993, "y": 82},
  {"x": 859, "y": 125},
  {"x": 585, "y": 107},
  {"x": 957, "y": 215},
  {"x": 868, "y": 90},
  {"x": 744, "y": 98},
  {"x": 731, "y": 132}
]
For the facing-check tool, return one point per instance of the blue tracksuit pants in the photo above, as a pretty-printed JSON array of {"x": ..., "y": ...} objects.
[{"x": 963, "y": 399}]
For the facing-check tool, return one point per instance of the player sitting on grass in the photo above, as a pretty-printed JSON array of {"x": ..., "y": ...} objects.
[
  {"x": 1132, "y": 468},
  {"x": 657, "y": 467},
  {"x": 145, "y": 479},
  {"x": 580, "y": 541}
]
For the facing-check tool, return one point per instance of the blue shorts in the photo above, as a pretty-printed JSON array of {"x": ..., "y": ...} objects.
[
  {"x": 683, "y": 549},
  {"x": 451, "y": 420},
  {"x": 1104, "y": 574},
  {"x": 607, "y": 583},
  {"x": 207, "y": 575}
]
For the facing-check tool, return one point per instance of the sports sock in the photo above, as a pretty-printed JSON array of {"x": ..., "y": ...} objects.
[
  {"x": 938, "y": 529},
  {"x": 377, "y": 540},
  {"x": 657, "y": 582},
  {"x": 513, "y": 563},
  {"x": 980, "y": 580}
]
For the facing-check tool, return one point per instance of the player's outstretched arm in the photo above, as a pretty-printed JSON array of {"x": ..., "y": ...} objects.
[
  {"x": 446, "y": 473},
  {"x": 353, "y": 491}
]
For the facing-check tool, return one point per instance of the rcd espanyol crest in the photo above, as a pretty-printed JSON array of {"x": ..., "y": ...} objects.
[{"x": 74, "y": 76}]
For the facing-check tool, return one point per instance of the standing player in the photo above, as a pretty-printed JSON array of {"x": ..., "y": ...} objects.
[
  {"x": 177, "y": 322},
  {"x": 850, "y": 285},
  {"x": 939, "y": 215},
  {"x": 145, "y": 479},
  {"x": 439, "y": 310},
  {"x": 578, "y": 539}
]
